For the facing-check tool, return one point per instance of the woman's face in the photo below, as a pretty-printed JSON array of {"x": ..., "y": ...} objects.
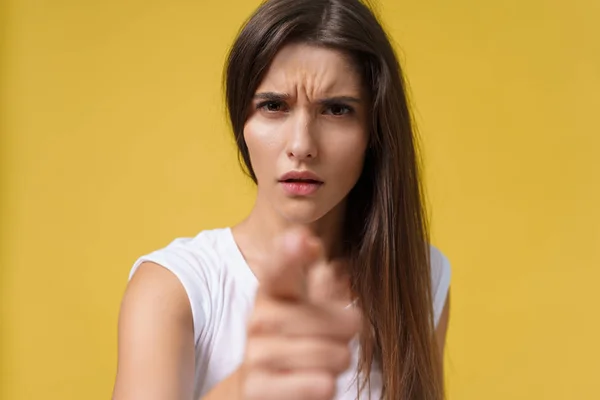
[{"x": 307, "y": 132}]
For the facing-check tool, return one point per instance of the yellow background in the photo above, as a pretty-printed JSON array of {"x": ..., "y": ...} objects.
[{"x": 114, "y": 142}]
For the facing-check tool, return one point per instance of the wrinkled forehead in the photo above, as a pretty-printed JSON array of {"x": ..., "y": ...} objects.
[{"x": 314, "y": 70}]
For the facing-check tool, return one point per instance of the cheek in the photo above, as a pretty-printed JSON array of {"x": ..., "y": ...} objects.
[
  {"x": 263, "y": 146},
  {"x": 348, "y": 153}
]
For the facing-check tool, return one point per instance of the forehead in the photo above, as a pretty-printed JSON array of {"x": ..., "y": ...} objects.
[{"x": 323, "y": 69}]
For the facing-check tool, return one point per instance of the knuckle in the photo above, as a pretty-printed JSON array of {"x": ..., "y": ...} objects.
[
  {"x": 344, "y": 359},
  {"x": 263, "y": 322},
  {"x": 352, "y": 323},
  {"x": 323, "y": 387},
  {"x": 254, "y": 354}
]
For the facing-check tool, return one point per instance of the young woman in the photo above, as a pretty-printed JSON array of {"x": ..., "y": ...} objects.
[{"x": 329, "y": 289}]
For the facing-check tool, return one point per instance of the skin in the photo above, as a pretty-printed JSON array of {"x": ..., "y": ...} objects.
[
  {"x": 314, "y": 127},
  {"x": 309, "y": 113}
]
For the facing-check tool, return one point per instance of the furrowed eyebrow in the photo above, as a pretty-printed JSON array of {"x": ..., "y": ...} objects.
[
  {"x": 339, "y": 99},
  {"x": 274, "y": 96}
]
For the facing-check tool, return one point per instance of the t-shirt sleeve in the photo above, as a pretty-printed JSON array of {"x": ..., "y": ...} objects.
[
  {"x": 440, "y": 280},
  {"x": 188, "y": 269}
]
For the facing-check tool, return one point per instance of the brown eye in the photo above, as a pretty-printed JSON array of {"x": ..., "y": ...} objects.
[
  {"x": 338, "y": 110},
  {"x": 272, "y": 106}
]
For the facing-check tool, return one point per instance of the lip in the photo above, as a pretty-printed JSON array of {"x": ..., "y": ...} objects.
[
  {"x": 300, "y": 175},
  {"x": 300, "y": 183}
]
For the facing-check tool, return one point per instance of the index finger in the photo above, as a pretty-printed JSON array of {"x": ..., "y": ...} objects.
[{"x": 285, "y": 275}]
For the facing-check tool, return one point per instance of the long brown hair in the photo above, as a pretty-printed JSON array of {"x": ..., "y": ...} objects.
[{"x": 387, "y": 238}]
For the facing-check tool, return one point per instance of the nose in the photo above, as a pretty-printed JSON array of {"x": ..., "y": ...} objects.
[{"x": 301, "y": 144}]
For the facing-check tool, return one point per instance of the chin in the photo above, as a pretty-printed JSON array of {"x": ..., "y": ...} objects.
[{"x": 302, "y": 214}]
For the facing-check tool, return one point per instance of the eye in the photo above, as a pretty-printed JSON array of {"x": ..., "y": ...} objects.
[
  {"x": 272, "y": 106},
  {"x": 338, "y": 110}
]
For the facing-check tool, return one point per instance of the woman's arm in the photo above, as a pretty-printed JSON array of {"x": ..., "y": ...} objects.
[
  {"x": 156, "y": 338},
  {"x": 228, "y": 389}
]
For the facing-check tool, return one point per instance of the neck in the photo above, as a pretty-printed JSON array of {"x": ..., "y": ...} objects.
[{"x": 255, "y": 234}]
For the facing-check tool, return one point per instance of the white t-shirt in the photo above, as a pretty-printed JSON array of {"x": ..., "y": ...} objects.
[{"x": 221, "y": 289}]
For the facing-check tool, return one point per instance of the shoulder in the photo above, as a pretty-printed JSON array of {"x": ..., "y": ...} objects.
[
  {"x": 150, "y": 286},
  {"x": 187, "y": 255},
  {"x": 194, "y": 263},
  {"x": 440, "y": 280}
]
